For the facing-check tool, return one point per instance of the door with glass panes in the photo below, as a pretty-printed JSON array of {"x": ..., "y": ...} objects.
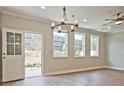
[{"x": 13, "y": 55}]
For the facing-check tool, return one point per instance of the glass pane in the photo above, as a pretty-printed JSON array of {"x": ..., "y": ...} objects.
[
  {"x": 60, "y": 44},
  {"x": 18, "y": 38},
  {"x": 10, "y": 37},
  {"x": 10, "y": 49},
  {"x": 79, "y": 44},
  {"x": 18, "y": 50},
  {"x": 94, "y": 48}
]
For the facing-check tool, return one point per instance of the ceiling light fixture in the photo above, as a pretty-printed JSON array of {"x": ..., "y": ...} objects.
[
  {"x": 85, "y": 20},
  {"x": 64, "y": 26},
  {"x": 43, "y": 7},
  {"x": 109, "y": 27}
]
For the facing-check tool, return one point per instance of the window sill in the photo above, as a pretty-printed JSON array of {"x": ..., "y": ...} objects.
[
  {"x": 94, "y": 56},
  {"x": 61, "y": 57},
  {"x": 79, "y": 56}
]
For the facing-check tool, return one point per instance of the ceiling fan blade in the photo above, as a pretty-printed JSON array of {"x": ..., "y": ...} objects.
[
  {"x": 114, "y": 15},
  {"x": 110, "y": 19},
  {"x": 107, "y": 23}
]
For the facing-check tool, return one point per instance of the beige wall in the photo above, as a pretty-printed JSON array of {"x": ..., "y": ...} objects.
[
  {"x": 115, "y": 49},
  {"x": 0, "y": 19},
  {"x": 57, "y": 64},
  {"x": 0, "y": 54},
  {"x": 0, "y": 50}
]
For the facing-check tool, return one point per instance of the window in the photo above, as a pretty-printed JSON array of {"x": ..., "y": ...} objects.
[
  {"x": 79, "y": 45},
  {"x": 60, "y": 44},
  {"x": 94, "y": 45}
]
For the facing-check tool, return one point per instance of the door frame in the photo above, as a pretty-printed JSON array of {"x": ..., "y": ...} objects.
[{"x": 42, "y": 49}]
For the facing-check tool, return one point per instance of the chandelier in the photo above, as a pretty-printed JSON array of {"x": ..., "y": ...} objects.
[{"x": 64, "y": 26}]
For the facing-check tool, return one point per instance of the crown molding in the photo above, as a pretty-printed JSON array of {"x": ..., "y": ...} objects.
[
  {"x": 26, "y": 17},
  {"x": 115, "y": 32}
]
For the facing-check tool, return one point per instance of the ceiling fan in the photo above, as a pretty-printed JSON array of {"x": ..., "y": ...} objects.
[{"x": 118, "y": 21}]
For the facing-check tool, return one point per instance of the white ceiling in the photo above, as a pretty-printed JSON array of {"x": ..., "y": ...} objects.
[{"x": 94, "y": 14}]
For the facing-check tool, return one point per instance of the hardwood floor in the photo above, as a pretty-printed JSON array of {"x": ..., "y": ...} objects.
[{"x": 102, "y": 77}]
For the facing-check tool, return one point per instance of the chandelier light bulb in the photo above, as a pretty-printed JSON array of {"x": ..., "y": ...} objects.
[
  {"x": 53, "y": 24},
  {"x": 62, "y": 21},
  {"x": 59, "y": 28},
  {"x": 72, "y": 28},
  {"x": 76, "y": 22},
  {"x": 118, "y": 22}
]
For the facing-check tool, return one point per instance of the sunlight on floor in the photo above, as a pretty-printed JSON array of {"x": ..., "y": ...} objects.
[{"x": 31, "y": 72}]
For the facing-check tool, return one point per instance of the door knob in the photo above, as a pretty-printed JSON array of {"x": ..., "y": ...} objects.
[{"x": 4, "y": 57}]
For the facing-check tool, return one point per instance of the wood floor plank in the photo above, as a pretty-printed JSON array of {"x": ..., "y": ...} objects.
[{"x": 102, "y": 77}]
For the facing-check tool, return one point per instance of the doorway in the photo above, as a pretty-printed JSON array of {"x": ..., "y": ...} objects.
[{"x": 33, "y": 53}]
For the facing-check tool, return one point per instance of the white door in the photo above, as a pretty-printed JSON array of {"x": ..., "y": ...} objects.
[{"x": 13, "y": 55}]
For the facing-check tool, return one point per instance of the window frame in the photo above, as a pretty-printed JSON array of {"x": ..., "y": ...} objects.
[
  {"x": 84, "y": 36},
  {"x": 98, "y": 46},
  {"x": 65, "y": 56}
]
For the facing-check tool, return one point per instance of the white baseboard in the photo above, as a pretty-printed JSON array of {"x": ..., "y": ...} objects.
[
  {"x": 75, "y": 70},
  {"x": 115, "y": 68}
]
